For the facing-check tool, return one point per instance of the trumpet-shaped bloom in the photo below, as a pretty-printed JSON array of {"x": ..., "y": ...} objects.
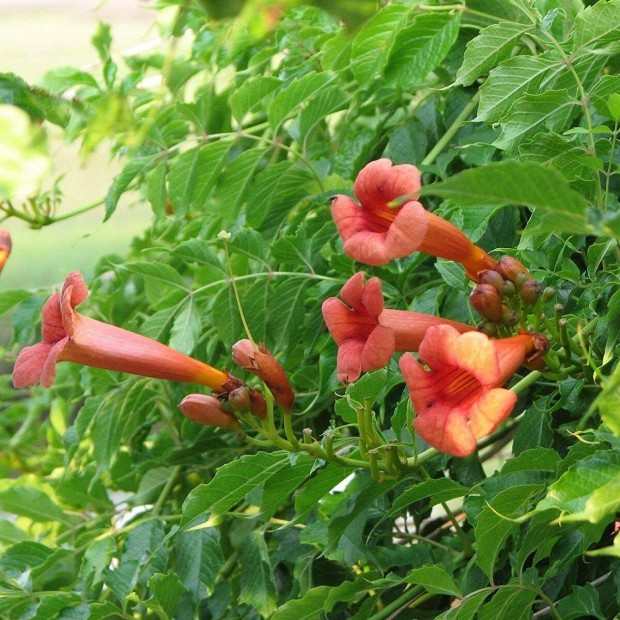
[
  {"x": 390, "y": 223},
  {"x": 259, "y": 361},
  {"x": 69, "y": 336},
  {"x": 459, "y": 399},
  {"x": 367, "y": 334}
]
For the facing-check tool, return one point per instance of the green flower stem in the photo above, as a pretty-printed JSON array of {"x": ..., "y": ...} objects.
[
  {"x": 374, "y": 466},
  {"x": 525, "y": 383},
  {"x": 397, "y": 604},
  {"x": 361, "y": 426},
  {"x": 415, "y": 461},
  {"x": 166, "y": 490},
  {"x": 288, "y": 430},
  {"x": 371, "y": 435},
  {"x": 451, "y": 131}
]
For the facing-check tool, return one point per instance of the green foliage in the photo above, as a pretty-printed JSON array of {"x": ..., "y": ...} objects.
[{"x": 116, "y": 506}]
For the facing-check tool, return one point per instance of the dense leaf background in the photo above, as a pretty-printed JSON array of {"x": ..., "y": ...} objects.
[{"x": 247, "y": 120}]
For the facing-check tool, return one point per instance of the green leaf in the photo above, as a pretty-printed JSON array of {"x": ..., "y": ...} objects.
[
  {"x": 465, "y": 609},
  {"x": 583, "y": 601},
  {"x": 118, "y": 413},
  {"x": 199, "y": 560},
  {"x": 508, "y": 82},
  {"x": 494, "y": 44},
  {"x": 194, "y": 173},
  {"x": 235, "y": 180},
  {"x": 597, "y": 25},
  {"x": 327, "y": 101},
  {"x": 318, "y": 487},
  {"x": 435, "y": 579},
  {"x": 496, "y": 522},
  {"x": 30, "y": 502},
  {"x": 232, "y": 483},
  {"x": 289, "y": 298},
  {"x": 512, "y": 182},
  {"x": 198, "y": 251},
  {"x": 368, "y": 387},
  {"x": 300, "y": 90},
  {"x": 186, "y": 328},
  {"x": 9, "y": 299},
  {"x": 420, "y": 47},
  {"x": 37, "y": 103},
  {"x": 550, "y": 111},
  {"x": 512, "y": 602},
  {"x": 251, "y": 94},
  {"x": 158, "y": 272},
  {"x": 274, "y": 192},
  {"x": 257, "y": 587},
  {"x": 589, "y": 490},
  {"x": 280, "y": 486},
  {"x": 135, "y": 168},
  {"x": 372, "y": 44},
  {"x": 309, "y": 607},
  {"x": 608, "y": 401},
  {"x": 167, "y": 592}
]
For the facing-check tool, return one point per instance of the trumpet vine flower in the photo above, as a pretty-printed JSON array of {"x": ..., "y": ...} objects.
[
  {"x": 69, "y": 336},
  {"x": 459, "y": 398},
  {"x": 367, "y": 334},
  {"x": 390, "y": 223}
]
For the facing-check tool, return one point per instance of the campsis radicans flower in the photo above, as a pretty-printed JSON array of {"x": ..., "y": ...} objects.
[
  {"x": 5, "y": 247},
  {"x": 69, "y": 336},
  {"x": 259, "y": 361},
  {"x": 389, "y": 222},
  {"x": 459, "y": 399},
  {"x": 207, "y": 410},
  {"x": 367, "y": 334}
]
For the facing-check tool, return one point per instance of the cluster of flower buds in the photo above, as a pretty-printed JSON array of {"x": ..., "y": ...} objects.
[
  {"x": 503, "y": 294},
  {"x": 458, "y": 398}
]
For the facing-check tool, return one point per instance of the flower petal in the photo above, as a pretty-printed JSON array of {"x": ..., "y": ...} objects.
[
  {"x": 52, "y": 329},
  {"x": 419, "y": 382},
  {"x": 490, "y": 410},
  {"x": 407, "y": 231},
  {"x": 79, "y": 290},
  {"x": 29, "y": 364},
  {"x": 372, "y": 298},
  {"x": 475, "y": 352},
  {"x": 378, "y": 183},
  {"x": 378, "y": 349},
  {"x": 353, "y": 290},
  {"x": 48, "y": 372},
  {"x": 349, "y": 361},
  {"x": 436, "y": 346}
]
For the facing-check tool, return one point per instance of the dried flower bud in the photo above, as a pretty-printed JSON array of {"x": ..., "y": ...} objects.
[
  {"x": 5, "y": 247},
  {"x": 207, "y": 410},
  {"x": 261, "y": 363},
  {"x": 490, "y": 276},
  {"x": 240, "y": 399},
  {"x": 487, "y": 302},
  {"x": 549, "y": 293},
  {"x": 511, "y": 268},
  {"x": 535, "y": 360},
  {"x": 530, "y": 291}
]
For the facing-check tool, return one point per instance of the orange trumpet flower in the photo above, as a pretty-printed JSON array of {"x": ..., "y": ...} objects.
[
  {"x": 367, "y": 334},
  {"x": 390, "y": 223},
  {"x": 459, "y": 399},
  {"x": 69, "y": 336}
]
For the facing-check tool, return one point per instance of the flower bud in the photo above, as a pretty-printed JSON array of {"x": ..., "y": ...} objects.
[
  {"x": 511, "y": 268},
  {"x": 530, "y": 291},
  {"x": 490, "y": 276},
  {"x": 5, "y": 247},
  {"x": 487, "y": 328},
  {"x": 508, "y": 289},
  {"x": 240, "y": 399},
  {"x": 261, "y": 363},
  {"x": 207, "y": 410},
  {"x": 487, "y": 302},
  {"x": 549, "y": 293},
  {"x": 509, "y": 317}
]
